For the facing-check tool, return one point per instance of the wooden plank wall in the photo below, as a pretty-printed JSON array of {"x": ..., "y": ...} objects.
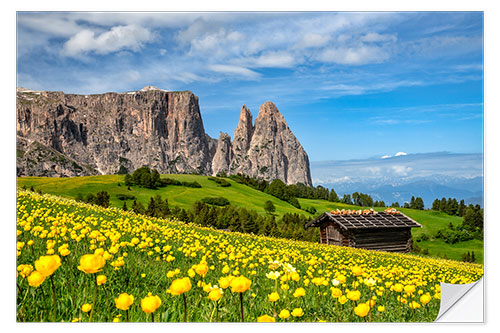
[{"x": 391, "y": 240}]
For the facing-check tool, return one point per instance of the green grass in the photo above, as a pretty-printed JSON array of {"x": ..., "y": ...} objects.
[
  {"x": 184, "y": 197},
  {"x": 244, "y": 196}
]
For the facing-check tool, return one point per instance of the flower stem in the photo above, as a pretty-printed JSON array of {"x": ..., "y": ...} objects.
[
  {"x": 128, "y": 320},
  {"x": 152, "y": 317},
  {"x": 53, "y": 299},
  {"x": 241, "y": 307},
  {"x": 185, "y": 307},
  {"x": 95, "y": 299}
]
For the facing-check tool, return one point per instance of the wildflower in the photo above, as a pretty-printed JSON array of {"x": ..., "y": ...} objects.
[
  {"x": 215, "y": 294},
  {"x": 101, "y": 279},
  {"x": 124, "y": 301},
  {"x": 398, "y": 287},
  {"x": 47, "y": 265},
  {"x": 356, "y": 270},
  {"x": 342, "y": 299},
  {"x": 86, "y": 307},
  {"x": 225, "y": 281},
  {"x": 150, "y": 303},
  {"x": 191, "y": 273},
  {"x": 354, "y": 295},
  {"x": 265, "y": 319},
  {"x": 25, "y": 270},
  {"x": 381, "y": 308},
  {"x": 116, "y": 319},
  {"x": 335, "y": 282},
  {"x": 284, "y": 314},
  {"x": 297, "y": 312},
  {"x": 201, "y": 269},
  {"x": 299, "y": 292},
  {"x": 370, "y": 282},
  {"x": 414, "y": 305},
  {"x": 410, "y": 289},
  {"x": 341, "y": 278},
  {"x": 336, "y": 292},
  {"x": 91, "y": 263},
  {"x": 240, "y": 284},
  {"x": 424, "y": 299},
  {"x": 35, "y": 279},
  {"x": 225, "y": 270},
  {"x": 273, "y": 297},
  {"x": 180, "y": 286},
  {"x": 273, "y": 275},
  {"x": 362, "y": 309}
]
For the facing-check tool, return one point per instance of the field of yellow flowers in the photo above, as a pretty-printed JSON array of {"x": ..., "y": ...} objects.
[{"x": 81, "y": 263}]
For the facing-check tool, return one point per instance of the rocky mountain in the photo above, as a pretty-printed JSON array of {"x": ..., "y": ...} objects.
[{"x": 75, "y": 135}]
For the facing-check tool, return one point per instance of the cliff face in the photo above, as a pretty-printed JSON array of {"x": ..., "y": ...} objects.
[
  {"x": 72, "y": 135},
  {"x": 161, "y": 129}
]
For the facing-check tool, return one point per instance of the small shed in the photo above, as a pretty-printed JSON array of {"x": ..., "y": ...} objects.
[{"x": 389, "y": 230}]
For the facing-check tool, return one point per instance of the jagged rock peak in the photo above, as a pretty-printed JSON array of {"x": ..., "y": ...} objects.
[
  {"x": 223, "y": 155},
  {"x": 268, "y": 109}
]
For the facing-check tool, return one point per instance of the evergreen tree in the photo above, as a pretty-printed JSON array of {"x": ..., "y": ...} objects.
[
  {"x": 443, "y": 205},
  {"x": 269, "y": 207},
  {"x": 435, "y": 205},
  {"x": 395, "y": 204},
  {"x": 102, "y": 199},
  {"x": 461, "y": 208},
  {"x": 137, "y": 207},
  {"x": 412, "y": 202},
  {"x": 419, "y": 203},
  {"x": 347, "y": 199},
  {"x": 332, "y": 196}
]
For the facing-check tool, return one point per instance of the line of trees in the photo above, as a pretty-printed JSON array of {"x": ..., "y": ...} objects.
[
  {"x": 231, "y": 217},
  {"x": 450, "y": 206}
]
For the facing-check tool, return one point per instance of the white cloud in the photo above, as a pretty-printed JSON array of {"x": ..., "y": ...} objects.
[
  {"x": 386, "y": 156},
  {"x": 235, "y": 70},
  {"x": 312, "y": 40},
  {"x": 271, "y": 59},
  {"x": 372, "y": 37},
  {"x": 356, "y": 55},
  {"x": 401, "y": 153},
  {"x": 401, "y": 170},
  {"x": 118, "y": 38}
]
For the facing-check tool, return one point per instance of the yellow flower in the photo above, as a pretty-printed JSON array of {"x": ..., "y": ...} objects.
[
  {"x": 398, "y": 287},
  {"x": 424, "y": 299},
  {"x": 356, "y": 270},
  {"x": 215, "y": 294},
  {"x": 284, "y": 314},
  {"x": 91, "y": 263},
  {"x": 362, "y": 309},
  {"x": 299, "y": 292},
  {"x": 410, "y": 289},
  {"x": 381, "y": 308},
  {"x": 297, "y": 312},
  {"x": 101, "y": 279},
  {"x": 265, "y": 319},
  {"x": 336, "y": 292},
  {"x": 47, "y": 265},
  {"x": 64, "y": 252},
  {"x": 273, "y": 297},
  {"x": 414, "y": 305},
  {"x": 25, "y": 270},
  {"x": 86, "y": 307},
  {"x": 201, "y": 269},
  {"x": 191, "y": 273},
  {"x": 124, "y": 301},
  {"x": 240, "y": 284},
  {"x": 225, "y": 281},
  {"x": 116, "y": 320},
  {"x": 180, "y": 286},
  {"x": 150, "y": 303},
  {"x": 35, "y": 279},
  {"x": 341, "y": 278},
  {"x": 343, "y": 299},
  {"x": 354, "y": 295}
]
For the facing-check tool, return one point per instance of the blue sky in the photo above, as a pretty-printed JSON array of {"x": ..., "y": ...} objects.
[{"x": 350, "y": 85}]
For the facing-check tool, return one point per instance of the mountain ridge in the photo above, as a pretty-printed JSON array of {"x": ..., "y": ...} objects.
[{"x": 162, "y": 129}]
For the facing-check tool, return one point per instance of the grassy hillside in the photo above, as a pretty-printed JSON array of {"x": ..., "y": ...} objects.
[
  {"x": 184, "y": 197},
  {"x": 243, "y": 196}
]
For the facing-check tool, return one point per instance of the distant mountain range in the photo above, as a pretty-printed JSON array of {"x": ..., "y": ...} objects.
[{"x": 398, "y": 178}]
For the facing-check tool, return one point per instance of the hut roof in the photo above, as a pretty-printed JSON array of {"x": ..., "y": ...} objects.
[{"x": 373, "y": 220}]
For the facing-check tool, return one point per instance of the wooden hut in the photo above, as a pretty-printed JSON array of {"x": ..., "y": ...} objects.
[{"x": 389, "y": 230}]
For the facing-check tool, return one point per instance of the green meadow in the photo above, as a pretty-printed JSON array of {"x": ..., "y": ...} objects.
[{"x": 243, "y": 196}]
